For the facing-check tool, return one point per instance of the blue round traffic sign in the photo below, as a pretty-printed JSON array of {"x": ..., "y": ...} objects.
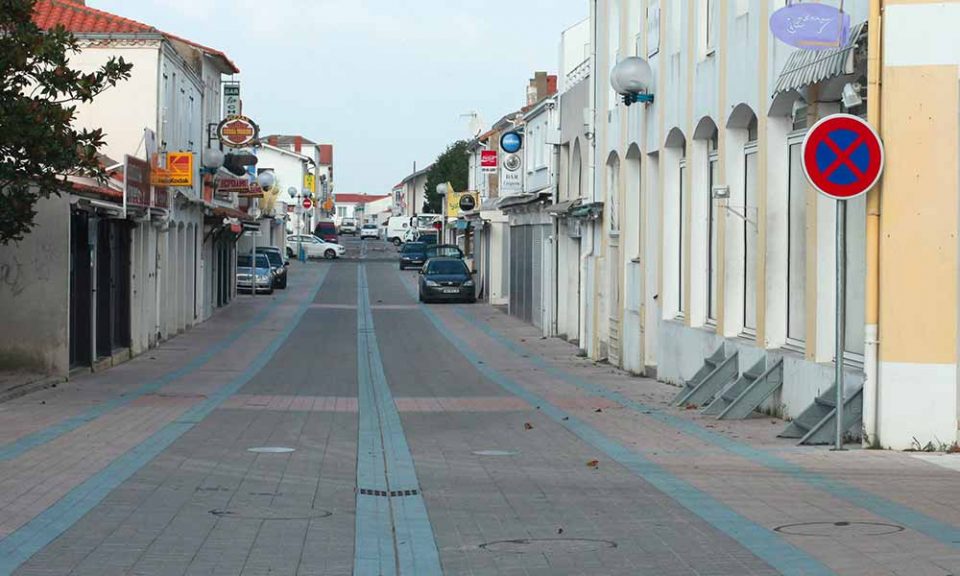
[
  {"x": 842, "y": 156},
  {"x": 511, "y": 142}
]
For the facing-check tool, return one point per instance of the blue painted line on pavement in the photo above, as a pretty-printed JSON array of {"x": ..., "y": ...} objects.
[
  {"x": 393, "y": 534},
  {"x": 18, "y": 547},
  {"x": 893, "y": 511},
  {"x": 23, "y": 445},
  {"x": 762, "y": 542}
]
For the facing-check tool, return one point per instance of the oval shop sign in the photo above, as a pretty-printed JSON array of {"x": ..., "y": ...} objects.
[{"x": 811, "y": 26}]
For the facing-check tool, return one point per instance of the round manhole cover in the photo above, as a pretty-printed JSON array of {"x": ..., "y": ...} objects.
[
  {"x": 495, "y": 453},
  {"x": 548, "y": 545},
  {"x": 842, "y": 529},
  {"x": 270, "y": 513},
  {"x": 271, "y": 450}
]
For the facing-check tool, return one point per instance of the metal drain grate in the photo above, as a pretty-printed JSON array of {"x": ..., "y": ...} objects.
[{"x": 390, "y": 494}]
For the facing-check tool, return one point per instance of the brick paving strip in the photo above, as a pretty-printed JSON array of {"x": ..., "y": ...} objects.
[
  {"x": 393, "y": 531},
  {"x": 42, "y": 529},
  {"x": 26, "y": 443},
  {"x": 762, "y": 542}
]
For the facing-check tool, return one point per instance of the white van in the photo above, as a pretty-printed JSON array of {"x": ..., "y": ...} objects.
[{"x": 397, "y": 228}]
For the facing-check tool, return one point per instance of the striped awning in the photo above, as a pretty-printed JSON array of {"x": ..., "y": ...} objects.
[{"x": 806, "y": 67}]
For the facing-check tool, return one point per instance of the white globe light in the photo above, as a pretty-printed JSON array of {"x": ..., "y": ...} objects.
[
  {"x": 292, "y": 192},
  {"x": 266, "y": 180},
  {"x": 212, "y": 158},
  {"x": 631, "y": 76}
]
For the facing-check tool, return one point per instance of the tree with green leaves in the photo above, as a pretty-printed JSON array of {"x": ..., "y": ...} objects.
[
  {"x": 39, "y": 94},
  {"x": 452, "y": 166}
]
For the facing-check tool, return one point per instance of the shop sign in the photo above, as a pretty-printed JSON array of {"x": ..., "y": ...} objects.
[
  {"x": 176, "y": 170},
  {"x": 238, "y": 132},
  {"x": 136, "y": 180},
  {"x": 488, "y": 161},
  {"x": 231, "y": 100},
  {"x": 811, "y": 26}
]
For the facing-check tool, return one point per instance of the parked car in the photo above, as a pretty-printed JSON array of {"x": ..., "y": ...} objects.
[
  {"x": 444, "y": 251},
  {"x": 314, "y": 247},
  {"x": 326, "y": 230},
  {"x": 429, "y": 237},
  {"x": 278, "y": 264},
  {"x": 413, "y": 255},
  {"x": 447, "y": 279},
  {"x": 246, "y": 273},
  {"x": 348, "y": 226},
  {"x": 370, "y": 231}
]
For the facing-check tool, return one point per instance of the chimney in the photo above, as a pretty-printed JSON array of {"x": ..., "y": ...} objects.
[
  {"x": 273, "y": 141},
  {"x": 297, "y": 144},
  {"x": 551, "y": 84}
]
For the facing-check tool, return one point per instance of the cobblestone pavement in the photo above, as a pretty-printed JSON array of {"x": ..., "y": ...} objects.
[{"x": 339, "y": 427}]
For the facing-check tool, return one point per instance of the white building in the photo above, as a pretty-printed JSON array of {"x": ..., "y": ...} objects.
[{"x": 166, "y": 263}]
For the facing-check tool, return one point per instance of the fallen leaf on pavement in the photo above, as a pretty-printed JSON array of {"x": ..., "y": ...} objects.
[
  {"x": 598, "y": 410},
  {"x": 527, "y": 426},
  {"x": 593, "y": 464}
]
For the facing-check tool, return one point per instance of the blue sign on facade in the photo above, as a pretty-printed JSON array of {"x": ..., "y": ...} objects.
[
  {"x": 811, "y": 26},
  {"x": 511, "y": 142}
]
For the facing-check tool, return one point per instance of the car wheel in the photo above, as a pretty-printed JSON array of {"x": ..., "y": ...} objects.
[
  {"x": 397, "y": 242},
  {"x": 329, "y": 254}
]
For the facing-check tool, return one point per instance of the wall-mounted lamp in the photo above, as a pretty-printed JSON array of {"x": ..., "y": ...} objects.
[
  {"x": 851, "y": 95},
  {"x": 632, "y": 79}
]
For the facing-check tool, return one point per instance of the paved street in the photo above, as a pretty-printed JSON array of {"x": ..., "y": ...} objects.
[{"x": 338, "y": 427}]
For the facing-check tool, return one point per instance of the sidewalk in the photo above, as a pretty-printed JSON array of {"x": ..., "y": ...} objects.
[
  {"x": 17, "y": 383},
  {"x": 860, "y": 511}
]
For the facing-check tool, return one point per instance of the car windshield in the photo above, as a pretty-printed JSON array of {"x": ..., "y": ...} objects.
[
  {"x": 244, "y": 260},
  {"x": 413, "y": 247},
  {"x": 274, "y": 256},
  {"x": 446, "y": 267},
  {"x": 444, "y": 251}
]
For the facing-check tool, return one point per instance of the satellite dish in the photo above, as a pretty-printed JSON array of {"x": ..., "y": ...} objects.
[{"x": 475, "y": 125}]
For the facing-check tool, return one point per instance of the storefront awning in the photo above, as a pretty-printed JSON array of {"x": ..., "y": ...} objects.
[
  {"x": 562, "y": 209},
  {"x": 516, "y": 200},
  {"x": 590, "y": 211},
  {"x": 807, "y": 67}
]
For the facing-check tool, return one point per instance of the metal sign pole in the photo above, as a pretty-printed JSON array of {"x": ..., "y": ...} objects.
[
  {"x": 253, "y": 264},
  {"x": 841, "y": 316}
]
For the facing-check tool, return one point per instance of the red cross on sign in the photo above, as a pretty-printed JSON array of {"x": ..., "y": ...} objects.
[{"x": 842, "y": 156}]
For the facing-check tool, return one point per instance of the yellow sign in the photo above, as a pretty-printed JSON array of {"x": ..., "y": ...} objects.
[
  {"x": 328, "y": 205},
  {"x": 459, "y": 202},
  {"x": 310, "y": 183},
  {"x": 177, "y": 172}
]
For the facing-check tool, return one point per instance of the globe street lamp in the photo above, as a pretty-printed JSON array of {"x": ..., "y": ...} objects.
[
  {"x": 295, "y": 195},
  {"x": 442, "y": 190},
  {"x": 632, "y": 79}
]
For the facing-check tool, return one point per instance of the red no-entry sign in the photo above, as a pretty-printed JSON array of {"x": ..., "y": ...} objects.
[
  {"x": 307, "y": 203},
  {"x": 842, "y": 156}
]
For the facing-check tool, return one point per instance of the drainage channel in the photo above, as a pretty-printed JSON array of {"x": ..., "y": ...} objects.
[{"x": 393, "y": 531}]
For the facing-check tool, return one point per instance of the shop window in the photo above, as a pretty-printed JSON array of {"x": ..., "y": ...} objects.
[
  {"x": 796, "y": 246},
  {"x": 750, "y": 233}
]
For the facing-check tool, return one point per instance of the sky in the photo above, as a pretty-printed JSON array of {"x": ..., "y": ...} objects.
[{"x": 384, "y": 81}]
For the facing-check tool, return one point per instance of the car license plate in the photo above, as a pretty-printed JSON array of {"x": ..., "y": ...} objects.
[{"x": 451, "y": 290}]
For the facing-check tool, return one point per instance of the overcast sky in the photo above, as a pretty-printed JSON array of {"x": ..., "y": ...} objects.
[{"x": 384, "y": 81}]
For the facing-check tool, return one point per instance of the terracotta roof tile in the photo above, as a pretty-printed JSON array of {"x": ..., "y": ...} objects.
[{"x": 81, "y": 19}]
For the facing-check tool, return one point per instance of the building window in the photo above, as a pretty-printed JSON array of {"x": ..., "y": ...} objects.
[
  {"x": 708, "y": 25},
  {"x": 796, "y": 246},
  {"x": 613, "y": 191},
  {"x": 675, "y": 23},
  {"x": 613, "y": 48},
  {"x": 712, "y": 234},
  {"x": 342, "y": 211},
  {"x": 653, "y": 27},
  {"x": 750, "y": 232},
  {"x": 681, "y": 243}
]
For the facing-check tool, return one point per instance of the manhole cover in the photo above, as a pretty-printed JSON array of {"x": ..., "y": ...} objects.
[
  {"x": 548, "y": 546},
  {"x": 495, "y": 453},
  {"x": 833, "y": 529},
  {"x": 270, "y": 513},
  {"x": 271, "y": 450}
]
